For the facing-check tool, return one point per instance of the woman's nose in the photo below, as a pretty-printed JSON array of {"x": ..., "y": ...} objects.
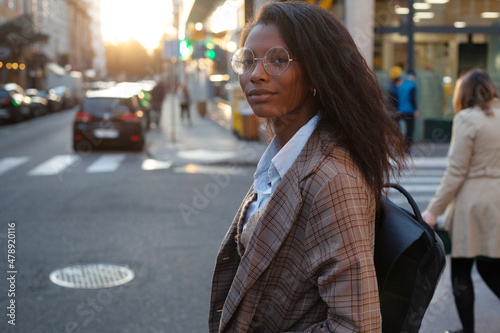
[{"x": 258, "y": 72}]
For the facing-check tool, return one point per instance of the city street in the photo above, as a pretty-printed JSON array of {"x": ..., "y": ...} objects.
[
  {"x": 86, "y": 214},
  {"x": 160, "y": 213}
]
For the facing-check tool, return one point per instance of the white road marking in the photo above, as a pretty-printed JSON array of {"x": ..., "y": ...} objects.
[
  {"x": 10, "y": 163},
  {"x": 212, "y": 169},
  {"x": 429, "y": 162},
  {"x": 106, "y": 163},
  {"x": 412, "y": 188},
  {"x": 152, "y": 164},
  {"x": 203, "y": 155},
  {"x": 400, "y": 200},
  {"x": 55, "y": 165},
  {"x": 421, "y": 180}
]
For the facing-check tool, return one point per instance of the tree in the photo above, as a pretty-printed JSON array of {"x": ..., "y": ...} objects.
[{"x": 129, "y": 58}]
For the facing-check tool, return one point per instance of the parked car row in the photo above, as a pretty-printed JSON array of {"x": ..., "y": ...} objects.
[{"x": 18, "y": 104}]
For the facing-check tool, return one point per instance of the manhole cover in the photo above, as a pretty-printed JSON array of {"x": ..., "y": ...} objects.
[{"x": 91, "y": 276}]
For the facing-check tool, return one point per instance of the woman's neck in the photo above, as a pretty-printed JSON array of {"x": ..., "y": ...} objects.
[{"x": 286, "y": 126}]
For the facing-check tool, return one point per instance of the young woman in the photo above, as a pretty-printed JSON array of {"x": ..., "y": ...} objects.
[
  {"x": 299, "y": 253},
  {"x": 470, "y": 191}
]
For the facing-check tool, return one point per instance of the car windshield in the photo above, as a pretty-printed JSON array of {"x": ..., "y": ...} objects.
[{"x": 100, "y": 106}]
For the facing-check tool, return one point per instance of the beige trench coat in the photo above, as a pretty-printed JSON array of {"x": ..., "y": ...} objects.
[{"x": 470, "y": 190}]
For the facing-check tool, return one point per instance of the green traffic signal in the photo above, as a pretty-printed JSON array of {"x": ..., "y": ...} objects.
[
  {"x": 185, "y": 49},
  {"x": 210, "y": 54}
]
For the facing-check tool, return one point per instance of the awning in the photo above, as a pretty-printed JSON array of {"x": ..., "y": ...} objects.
[
  {"x": 201, "y": 10},
  {"x": 20, "y": 32}
]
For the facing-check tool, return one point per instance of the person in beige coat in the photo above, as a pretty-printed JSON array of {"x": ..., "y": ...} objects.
[
  {"x": 298, "y": 256},
  {"x": 469, "y": 194}
]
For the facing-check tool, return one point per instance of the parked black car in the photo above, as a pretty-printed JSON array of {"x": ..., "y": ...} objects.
[
  {"x": 54, "y": 101},
  {"x": 14, "y": 104},
  {"x": 111, "y": 117},
  {"x": 39, "y": 104},
  {"x": 66, "y": 97}
]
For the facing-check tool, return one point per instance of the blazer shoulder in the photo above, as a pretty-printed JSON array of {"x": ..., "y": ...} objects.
[{"x": 334, "y": 168}]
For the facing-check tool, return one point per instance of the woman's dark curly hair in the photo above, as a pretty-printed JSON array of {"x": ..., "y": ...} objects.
[{"x": 352, "y": 106}]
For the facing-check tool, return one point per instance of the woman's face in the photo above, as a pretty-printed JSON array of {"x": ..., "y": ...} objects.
[{"x": 287, "y": 96}]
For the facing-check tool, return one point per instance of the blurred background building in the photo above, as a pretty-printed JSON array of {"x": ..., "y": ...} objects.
[
  {"x": 49, "y": 37},
  {"x": 439, "y": 39}
]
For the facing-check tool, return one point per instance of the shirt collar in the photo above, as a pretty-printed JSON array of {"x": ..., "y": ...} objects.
[
  {"x": 282, "y": 158},
  {"x": 288, "y": 154}
]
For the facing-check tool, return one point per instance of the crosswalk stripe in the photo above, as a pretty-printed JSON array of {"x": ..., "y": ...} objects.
[
  {"x": 9, "y": 163},
  {"x": 401, "y": 200},
  {"x": 429, "y": 161},
  {"x": 425, "y": 171},
  {"x": 106, "y": 163},
  {"x": 429, "y": 172},
  {"x": 55, "y": 165},
  {"x": 421, "y": 180},
  {"x": 413, "y": 188}
]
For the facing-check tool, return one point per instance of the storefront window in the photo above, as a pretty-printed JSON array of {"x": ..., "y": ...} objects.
[
  {"x": 457, "y": 13},
  {"x": 390, "y": 12},
  {"x": 448, "y": 38}
]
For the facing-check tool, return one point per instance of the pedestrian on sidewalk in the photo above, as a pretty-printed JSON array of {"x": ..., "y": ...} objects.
[
  {"x": 469, "y": 193},
  {"x": 299, "y": 253},
  {"x": 407, "y": 106},
  {"x": 185, "y": 103},
  {"x": 395, "y": 75},
  {"x": 157, "y": 95}
]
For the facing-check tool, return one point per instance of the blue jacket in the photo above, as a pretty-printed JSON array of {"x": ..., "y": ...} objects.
[{"x": 407, "y": 97}]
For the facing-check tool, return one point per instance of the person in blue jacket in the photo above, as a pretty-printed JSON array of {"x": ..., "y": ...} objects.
[{"x": 407, "y": 106}]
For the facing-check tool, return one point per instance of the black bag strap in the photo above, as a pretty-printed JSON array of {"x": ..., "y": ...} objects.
[
  {"x": 409, "y": 198},
  {"x": 416, "y": 211}
]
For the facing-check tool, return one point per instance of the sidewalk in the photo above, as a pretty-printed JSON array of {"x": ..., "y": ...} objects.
[{"x": 203, "y": 142}]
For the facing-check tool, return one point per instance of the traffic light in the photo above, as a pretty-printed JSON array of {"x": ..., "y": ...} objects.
[
  {"x": 185, "y": 49},
  {"x": 209, "y": 50}
]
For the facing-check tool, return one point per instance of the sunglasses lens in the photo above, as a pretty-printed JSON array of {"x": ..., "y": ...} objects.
[
  {"x": 277, "y": 60},
  {"x": 242, "y": 61}
]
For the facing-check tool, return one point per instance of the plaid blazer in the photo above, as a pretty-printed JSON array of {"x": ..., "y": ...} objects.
[{"x": 308, "y": 267}]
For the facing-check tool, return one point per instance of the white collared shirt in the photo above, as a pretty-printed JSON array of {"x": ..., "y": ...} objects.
[{"x": 274, "y": 164}]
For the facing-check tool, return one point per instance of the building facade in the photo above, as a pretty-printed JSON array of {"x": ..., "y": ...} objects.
[
  {"x": 80, "y": 38},
  {"x": 35, "y": 33},
  {"x": 98, "y": 71}
]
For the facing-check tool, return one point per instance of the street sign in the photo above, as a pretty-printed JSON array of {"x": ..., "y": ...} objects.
[{"x": 170, "y": 49}]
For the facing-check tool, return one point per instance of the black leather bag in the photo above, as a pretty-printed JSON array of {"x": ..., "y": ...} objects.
[{"x": 409, "y": 260}]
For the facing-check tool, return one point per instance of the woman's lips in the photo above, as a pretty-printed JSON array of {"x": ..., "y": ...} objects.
[{"x": 259, "y": 95}]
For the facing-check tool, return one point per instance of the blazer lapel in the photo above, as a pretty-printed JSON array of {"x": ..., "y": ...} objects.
[{"x": 281, "y": 212}]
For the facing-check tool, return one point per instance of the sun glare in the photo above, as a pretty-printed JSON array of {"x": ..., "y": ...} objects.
[{"x": 144, "y": 21}]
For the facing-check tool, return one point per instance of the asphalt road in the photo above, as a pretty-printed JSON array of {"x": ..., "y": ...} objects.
[{"x": 165, "y": 224}]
